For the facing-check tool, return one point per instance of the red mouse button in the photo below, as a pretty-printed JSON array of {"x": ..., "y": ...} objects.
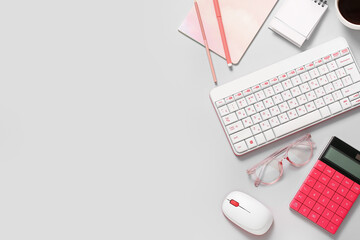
[{"x": 233, "y": 202}]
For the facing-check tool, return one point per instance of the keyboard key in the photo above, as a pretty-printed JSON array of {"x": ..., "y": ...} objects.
[
  {"x": 337, "y": 198},
  {"x": 354, "y": 73},
  {"x": 240, "y": 147},
  {"x": 237, "y": 126},
  {"x": 283, "y": 118},
  {"x": 331, "y": 76},
  {"x": 318, "y": 62},
  {"x": 286, "y": 95},
  {"x": 255, "y": 88},
  {"x": 328, "y": 99},
  {"x": 250, "y": 110},
  {"x": 347, "y": 81},
  {"x": 332, "y": 65},
  {"x": 241, "y": 135},
  {"x": 255, "y": 129},
  {"x": 340, "y": 72},
  {"x": 344, "y": 51},
  {"x": 314, "y": 73},
  {"x": 274, "y": 111},
  {"x": 341, "y": 212},
  {"x": 260, "y": 95},
  {"x": 241, "y": 113},
  {"x": 284, "y": 107},
  {"x": 342, "y": 190},
  {"x": 295, "y": 91},
  {"x": 259, "y": 106},
  {"x": 305, "y": 189},
  {"x": 220, "y": 103},
  {"x": 265, "y": 125},
  {"x": 327, "y": 214},
  {"x": 355, "y": 102},
  {"x": 282, "y": 77},
  {"x": 323, "y": 69},
  {"x": 297, "y": 123},
  {"x": 332, "y": 206},
  {"x": 323, "y": 80},
  {"x": 319, "y": 187},
  {"x": 247, "y": 122},
  {"x": 304, "y": 87},
  {"x": 304, "y": 210},
  {"x": 319, "y": 208},
  {"x": 250, "y": 99},
  {"x": 315, "y": 173},
  {"x": 329, "y": 171},
  {"x": 324, "y": 179},
  {"x": 338, "y": 84},
  {"x": 250, "y": 142},
  {"x": 356, "y": 188},
  {"x": 310, "y": 106},
  {"x": 346, "y": 204},
  {"x": 329, "y": 88},
  {"x": 241, "y": 103},
  {"x": 300, "y": 197},
  {"x": 269, "y": 134},
  {"x": 287, "y": 84},
  {"x": 332, "y": 228},
  {"x": 277, "y": 99},
  {"x": 320, "y": 92},
  {"x": 224, "y": 110},
  {"x": 319, "y": 165},
  {"x": 295, "y": 205},
  {"x": 230, "y": 119},
  {"x": 309, "y": 202},
  {"x": 337, "y": 220},
  {"x": 292, "y": 114},
  {"x": 323, "y": 200},
  {"x": 247, "y": 92},
  {"x": 301, "y": 99},
  {"x": 310, "y": 95},
  {"x": 345, "y": 60},
  {"x": 338, "y": 177},
  {"x": 345, "y": 103},
  {"x": 351, "y": 196},
  {"x": 336, "y": 55},
  {"x": 269, "y": 92},
  {"x": 260, "y": 139},
  {"x": 296, "y": 80},
  {"x": 300, "y": 69},
  {"x": 313, "y": 216},
  {"x": 238, "y": 95},
  {"x": 274, "y": 122},
  {"x": 325, "y": 112},
  {"x": 314, "y": 84},
  {"x": 309, "y": 66},
  {"x": 274, "y": 81},
  {"x": 327, "y": 58},
  {"x": 265, "y": 114},
  {"x": 232, "y": 107},
  {"x": 301, "y": 110},
  {"x": 256, "y": 118},
  {"x": 314, "y": 194},
  {"x": 347, "y": 182},
  {"x": 328, "y": 193},
  {"x": 323, "y": 222},
  {"x": 269, "y": 103},
  {"x": 229, "y": 99}
]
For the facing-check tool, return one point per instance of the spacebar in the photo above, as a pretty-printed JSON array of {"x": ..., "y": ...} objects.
[{"x": 297, "y": 123}]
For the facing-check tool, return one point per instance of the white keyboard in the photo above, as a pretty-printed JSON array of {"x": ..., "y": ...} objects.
[{"x": 288, "y": 96}]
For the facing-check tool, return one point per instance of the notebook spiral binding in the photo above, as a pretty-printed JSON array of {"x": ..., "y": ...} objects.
[{"x": 321, "y": 2}]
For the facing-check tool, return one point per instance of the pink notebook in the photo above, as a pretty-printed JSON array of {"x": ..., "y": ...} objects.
[{"x": 242, "y": 19}]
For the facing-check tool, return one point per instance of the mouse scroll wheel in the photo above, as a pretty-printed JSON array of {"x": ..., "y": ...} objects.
[{"x": 233, "y": 202}]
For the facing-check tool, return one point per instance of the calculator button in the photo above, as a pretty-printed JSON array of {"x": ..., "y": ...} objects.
[
  {"x": 300, "y": 197},
  {"x": 318, "y": 208},
  {"x": 323, "y": 222},
  {"x": 310, "y": 181},
  {"x": 337, "y": 220},
  {"x": 313, "y": 216},
  {"x": 327, "y": 214},
  {"x": 341, "y": 212},
  {"x": 295, "y": 204},
  {"x": 356, "y": 188},
  {"x": 328, "y": 192},
  {"x": 347, "y": 182},
  {"x": 338, "y": 177},
  {"x": 351, "y": 196},
  {"x": 332, "y": 206},
  {"x": 315, "y": 173},
  {"x": 319, "y": 187},
  {"x": 337, "y": 198},
  {"x": 304, "y": 210},
  {"x": 323, "y": 200},
  {"x": 333, "y": 184},
  {"x": 309, "y": 202},
  {"x": 346, "y": 204},
  {"x": 305, "y": 189},
  {"x": 342, "y": 190},
  {"x": 332, "y": 228},
  {"x": 314, "y": 194},
  {"x": 324, "y": 179},
  {"x": 320, "y": 165},
  {"x": 329, "y": 171}
]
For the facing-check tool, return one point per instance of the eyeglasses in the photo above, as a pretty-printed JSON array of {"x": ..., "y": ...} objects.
[{"x": 270, "y": 170}]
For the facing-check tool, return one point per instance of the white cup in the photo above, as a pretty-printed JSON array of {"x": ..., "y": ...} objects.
[{"x": 343, "y": 20}]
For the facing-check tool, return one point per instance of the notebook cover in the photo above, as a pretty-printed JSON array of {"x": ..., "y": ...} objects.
[{"x": 242, "y": 20}]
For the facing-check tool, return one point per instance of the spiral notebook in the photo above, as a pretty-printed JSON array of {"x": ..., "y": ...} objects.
[
  {"x": 242, "y": 20},
  {"x": 297, "y": 19}
]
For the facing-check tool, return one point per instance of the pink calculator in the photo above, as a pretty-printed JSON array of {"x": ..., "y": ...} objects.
[{"x": 332, "y": 186}]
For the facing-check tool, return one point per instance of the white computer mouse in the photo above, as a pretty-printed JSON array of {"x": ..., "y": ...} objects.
[{"x": 247, "y": 213}]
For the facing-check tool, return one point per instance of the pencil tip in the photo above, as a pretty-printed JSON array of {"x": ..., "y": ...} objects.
[{"x": 230, "y": 64}]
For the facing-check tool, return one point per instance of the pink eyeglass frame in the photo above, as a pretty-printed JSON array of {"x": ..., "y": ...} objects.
[{"x": 285, "y": 151}]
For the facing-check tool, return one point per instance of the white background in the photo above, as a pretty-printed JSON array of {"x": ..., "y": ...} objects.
[{"x": 107, "y": 130}]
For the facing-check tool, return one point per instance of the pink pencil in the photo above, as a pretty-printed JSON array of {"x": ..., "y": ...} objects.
[
  {"x": 222, "y": 32},
  {"x": 205, "y": 41}
]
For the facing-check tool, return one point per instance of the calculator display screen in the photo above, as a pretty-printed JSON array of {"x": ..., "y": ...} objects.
[{"x": 343, "y": 161}]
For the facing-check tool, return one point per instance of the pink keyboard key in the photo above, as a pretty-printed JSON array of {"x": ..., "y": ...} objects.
[
  {"x": 309, "y": 202},
  {"x": 323, "y": 222},
  {"x": 313, "y": 216},
  {"x": 341, "y": 212},
  {"x": 332, "y": 228},
  {"x": 337, "y": 220},
  {"x": 329, "y": 171},
  {"x": 319, "y": 208},
  {"x": 315, "y": 173},
  {"x": 356, "y": 188},
  {"x": 338, "y": 177},
  {"x": 332, "y": 206},
  {"x": 310, "y": 181},
  {"x": 342, "y": 190},
  {"x": 333, "y": 184},
  {"x": 295, "y": 205},
  {"x": 305, "y": 189},
  {"x": 347, "y": 182},
  {"x": 327, "y": 214},
  {"x": 320, "y": 165},
  {"x": 324, "y": 179},
  {"x": 337, "y": 198},
  {"x": 346, "y": 204},
  {"x": 319, "y": 187},
  {"x": 328, "y": 192},
  {"x": 304, "y": 210},
  {"x": 314, "y": 194},
  {"x": 300, "y": 197},
  {"x": 323, "y": 200},
  {"x": 351, "y": 196}
]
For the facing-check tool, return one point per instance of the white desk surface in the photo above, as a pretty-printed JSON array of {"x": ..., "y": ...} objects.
[{"x": 107, "y": 131}]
